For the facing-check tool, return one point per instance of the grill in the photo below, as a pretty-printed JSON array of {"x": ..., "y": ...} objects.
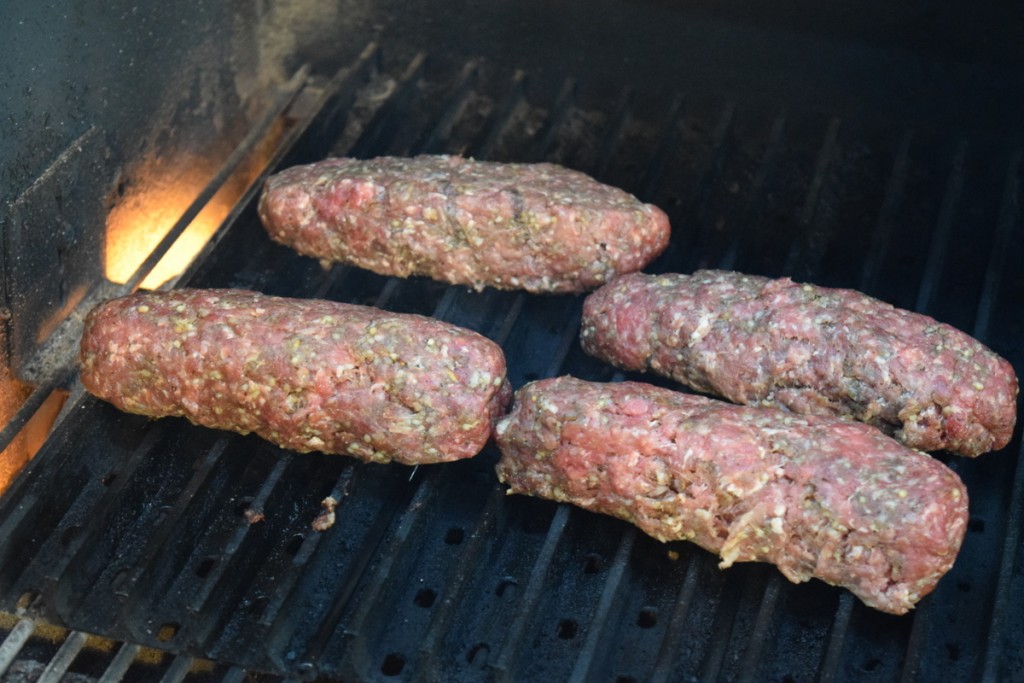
[{"x": 163, "y": 536}]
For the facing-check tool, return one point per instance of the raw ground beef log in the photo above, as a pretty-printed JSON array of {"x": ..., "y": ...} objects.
[
  {"x": 816, "y": 496},
  {"x": 305, "y": 375},
  {"x": 537, "y": 227},
  {"x": 811, "y": 350}
]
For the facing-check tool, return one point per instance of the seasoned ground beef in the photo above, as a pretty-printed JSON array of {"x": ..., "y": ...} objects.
[
  {"x": 816, "y": 496},
  {"x": 537, "y": 227},
  {"x": 811, "y": 350},
  {"x": 305, "y": 375}
]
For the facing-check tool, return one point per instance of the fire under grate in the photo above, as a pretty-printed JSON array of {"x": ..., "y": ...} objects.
[{"x": 163, "y": 535}]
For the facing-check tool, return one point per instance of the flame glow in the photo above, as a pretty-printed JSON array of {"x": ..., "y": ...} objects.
[
  {"x": 160, "y": 192},
  {"x": 137, "y": 224},
  {"x": 31, "y": 437}
]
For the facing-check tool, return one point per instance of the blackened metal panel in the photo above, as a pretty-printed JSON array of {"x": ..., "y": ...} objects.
[{"x": 52, "y": 239}]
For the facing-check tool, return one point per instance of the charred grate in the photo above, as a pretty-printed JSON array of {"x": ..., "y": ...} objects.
[{"x": 138, "y": 531}]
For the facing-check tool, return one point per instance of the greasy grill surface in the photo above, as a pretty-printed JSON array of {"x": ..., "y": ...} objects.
[{"x": 138, "y": 530}]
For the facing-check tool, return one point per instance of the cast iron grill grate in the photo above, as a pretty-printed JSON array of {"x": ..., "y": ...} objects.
[{"x": 137, "y": 530}]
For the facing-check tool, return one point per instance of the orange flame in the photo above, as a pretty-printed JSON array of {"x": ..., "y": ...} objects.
[
  {"x": 138, "y": 223},
  {"x": 160, "y": 193}
]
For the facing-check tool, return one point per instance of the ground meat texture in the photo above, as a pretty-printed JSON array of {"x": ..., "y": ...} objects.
[
  {"x": 811, "y": 350},
  {"x": 305, "y": 375},
  {"x": 816, "y": 496},
  {"x": 537, "y": 227}
]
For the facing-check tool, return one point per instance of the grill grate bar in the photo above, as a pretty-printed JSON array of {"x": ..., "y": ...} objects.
[
  {"x": 667, "y": 653},
  {"x": 464, "y": 84},
  {"x": 881, "y": 238},
  {"x": 408, "y": 520},
  {"x": 837, "y": 639},
  {"x": 1009, "y": 214},
  {"x": 531, "y": 595},
  {"x": 31, "y": 406},
  {"x": 367, "y": 145},
  {"x": 994, "y": 651},
  {"x": 70, "y": 554},
  {"x": 724, "y": 624},
  {"x": 234, "y": 675},
  {"x": 456, "y": 585},
  {"x": 178, "y": 669},
  {"x": 191, "y": 493},
  {"x": 13, "y": 643},
  {"x": 728, "y": 261},
  {"x": 762, "y": 628},
  {"x": 69, "y": 649},
  {"x": 601, "y": 619},
  {"x": 284, "y": 587},
  {"x": 559, "y": 113},
  {"x": 710, "y": 171},
  {"x": 655, "y": 170},
  {"x": 810, "y": 206},
  {"x": 304, "y": 142},
  {"x": 259, "y": 501},
  {"x": 943, "y": 231},
  {"x": 501, "y": 119},
  {"x": 118, "y": 667},
  {"x": 619, "y": 119}
]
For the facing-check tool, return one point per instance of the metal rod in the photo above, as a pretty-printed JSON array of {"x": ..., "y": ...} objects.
[
  {"x": 619, "y": 118},
  {"x": 13, "y": 643},
  {"x": 602, "y": 617},
  {"x": 664, "y": 142},
  {"x": 810, "y": 206},
  {"x": 753, "y": 211},
  {"x": 259, "y": 502},
  {"x": 526, "y": 608},
  {"x": 119, "y": 666},
  {"x": 995, "y": 652},
  {"x": 762, "y": 629},
  {"x": 667, "y": 653},
  {"x": 285, "y": 585},
  {"x": 241, "y": 151},
  {"x": 178, "y": 669},
  {"x": 157, "y": 540},
  {"x": 367, "y": 144},
  {"x": 29, "y": 408},
  {"x": 463, "y": 86},
  {"x": 943, "y": 231},
  {"x": 58, "y": 666},
  {"x": 829, "y": 670},
  {"x": 1009, "y": 214},
  {"x": 882, "y": 235},
  {"x": 502, "y": 117},
  {"x": 545, "y": 138}
]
